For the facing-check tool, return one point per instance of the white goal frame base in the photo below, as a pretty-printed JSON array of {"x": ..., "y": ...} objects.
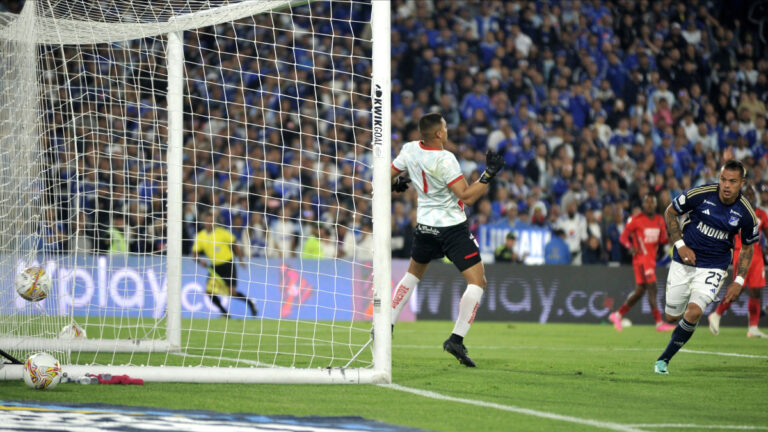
[{"x": 221, "y": 376}]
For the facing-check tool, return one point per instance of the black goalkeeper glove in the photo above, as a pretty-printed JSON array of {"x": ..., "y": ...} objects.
[
  {"x": 400, "y": 184},
  {"x": 494, "y": 163}
]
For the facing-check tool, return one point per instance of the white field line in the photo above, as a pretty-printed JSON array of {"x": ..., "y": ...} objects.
[
  {"x": 548, "y": 415},
  {"x": 588, "y": 422},
  {"x": 696, "y": 426},
  {"x": 514, "y": 409},
  {"x": 545, "y": 348},
  {"x": 569, "y": 419},
  {"x": 726, "y": 354},
  {"x": 261, "y": 364}
]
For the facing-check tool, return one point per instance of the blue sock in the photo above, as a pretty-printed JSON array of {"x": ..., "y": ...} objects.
[{"x": 680, "y": 336}]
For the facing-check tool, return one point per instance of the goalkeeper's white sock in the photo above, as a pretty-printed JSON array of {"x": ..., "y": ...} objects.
[
  {"x": 467, "y": 309},
  {"x": 403, "y": 294}
]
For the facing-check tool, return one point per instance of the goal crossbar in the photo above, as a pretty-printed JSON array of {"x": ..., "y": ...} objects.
[{"x": 69, "y": 31}]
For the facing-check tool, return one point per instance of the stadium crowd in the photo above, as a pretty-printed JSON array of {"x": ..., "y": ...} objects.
[
  {"x": 593, "y": 104},
  {"x": 270, "y": 133}
]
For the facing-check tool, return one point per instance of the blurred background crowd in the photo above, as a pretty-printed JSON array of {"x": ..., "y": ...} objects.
[
  {"x": 592, "y": 103},
  {"x": 276, "y": 139}
]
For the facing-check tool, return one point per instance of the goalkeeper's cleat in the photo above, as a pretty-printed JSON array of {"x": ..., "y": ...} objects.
[
  {"x": 662, "y": 326},
  {"x": 615, "y": 318},
  {"x": 754, "y": 332},
  {"x": 459, "y": 351},
  {"x": 714, "y": 323},
  {"x": 661, "y": 367}
]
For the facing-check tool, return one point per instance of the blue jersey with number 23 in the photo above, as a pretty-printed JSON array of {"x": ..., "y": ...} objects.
[{"x": 712, "y": 225}]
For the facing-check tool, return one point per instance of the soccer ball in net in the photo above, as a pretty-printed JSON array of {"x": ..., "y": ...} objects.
[
  {"x": 42, "y": 371},
  {"x": 33, "y": 284},
  {"x": 73, "y": 331}
]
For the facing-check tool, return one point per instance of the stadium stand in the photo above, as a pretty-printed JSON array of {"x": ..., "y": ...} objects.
[{"x": 592, "y": 103}]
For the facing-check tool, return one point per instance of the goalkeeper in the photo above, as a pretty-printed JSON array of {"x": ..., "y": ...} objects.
[
  {"x": 218, "y": 245},
  {"x": 442, "y": 228}
]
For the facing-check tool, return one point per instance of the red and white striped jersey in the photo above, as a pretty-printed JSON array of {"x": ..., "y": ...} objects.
[{"x": 432, "y": 171}]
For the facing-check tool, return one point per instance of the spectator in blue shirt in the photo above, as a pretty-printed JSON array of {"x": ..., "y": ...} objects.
[
  {"x": 579, "y": 104},
  {"x": 556, "y": 251},
  {"x": 478, "y": 99},
  {"x": 479, "y": 128},
  {"x": 661, "y": 152},
  {"x": 621, "y": 135}
]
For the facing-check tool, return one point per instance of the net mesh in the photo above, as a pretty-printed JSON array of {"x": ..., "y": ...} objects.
[{"x": 276, "y": 151}]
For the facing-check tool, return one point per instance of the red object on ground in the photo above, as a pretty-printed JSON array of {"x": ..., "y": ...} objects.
[{"x": 120, "y": 379}]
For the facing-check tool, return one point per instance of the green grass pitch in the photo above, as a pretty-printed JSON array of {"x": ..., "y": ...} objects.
[{"x": 530, "y": 377}]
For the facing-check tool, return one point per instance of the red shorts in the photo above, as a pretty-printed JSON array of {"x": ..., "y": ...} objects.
[
  {"x": 645, "y": 271},
  {"x": 755, "y": 275}
]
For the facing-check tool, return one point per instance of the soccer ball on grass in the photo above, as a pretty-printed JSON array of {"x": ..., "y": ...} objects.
[
  {"x": 42, "y": 371},
  {"x": 33, "y": 284}
]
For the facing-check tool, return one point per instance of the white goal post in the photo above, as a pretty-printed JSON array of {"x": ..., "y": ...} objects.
[{"x": 124, "y": 125}]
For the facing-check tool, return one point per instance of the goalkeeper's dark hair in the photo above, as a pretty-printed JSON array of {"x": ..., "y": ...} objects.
[
  {"x": 428, "y": 122},
  {"x": 734, "y": 165}
]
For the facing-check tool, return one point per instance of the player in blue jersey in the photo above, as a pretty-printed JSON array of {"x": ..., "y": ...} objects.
[{"x": 715, "y": 214}]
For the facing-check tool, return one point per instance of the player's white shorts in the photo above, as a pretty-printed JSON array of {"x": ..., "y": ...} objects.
[{"x": 691, "y": 284}]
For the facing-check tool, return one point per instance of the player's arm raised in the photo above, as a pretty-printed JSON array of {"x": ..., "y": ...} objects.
[
  {"x": 469, "y": 194},
  {"x": 675, "y": 234}
]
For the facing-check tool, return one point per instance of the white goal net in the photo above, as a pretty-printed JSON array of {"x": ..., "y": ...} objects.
[{"x": 198, "y": 179}]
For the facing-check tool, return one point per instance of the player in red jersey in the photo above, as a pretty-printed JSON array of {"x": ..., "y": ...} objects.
[
  {"x": 755, "y": 280},
  {"x": 642, "y": 236}
]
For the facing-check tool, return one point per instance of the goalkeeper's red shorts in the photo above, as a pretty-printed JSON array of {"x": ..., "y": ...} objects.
[{"x": 455, "y": 242}]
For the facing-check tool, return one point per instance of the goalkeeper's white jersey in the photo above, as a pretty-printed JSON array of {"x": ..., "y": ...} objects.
[{"x": 432, "y": 171}]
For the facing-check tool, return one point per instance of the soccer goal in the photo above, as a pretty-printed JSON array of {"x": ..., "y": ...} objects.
[{"x": 123, "y": 123}]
